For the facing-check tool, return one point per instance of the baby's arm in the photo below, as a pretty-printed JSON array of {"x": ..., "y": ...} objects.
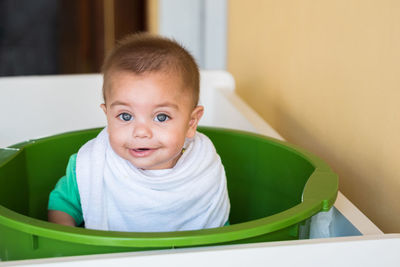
[
  {"x": 64, "y": 201},
  {"x": 60, "y": 217}
]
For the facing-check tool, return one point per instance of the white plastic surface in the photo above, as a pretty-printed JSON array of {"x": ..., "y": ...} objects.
[
  {"x": 37, "y": 106},
  {"x": 382, "y": 250}
]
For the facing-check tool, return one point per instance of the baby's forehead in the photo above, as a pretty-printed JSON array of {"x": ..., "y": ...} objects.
[{"x": 117, "y": 79}]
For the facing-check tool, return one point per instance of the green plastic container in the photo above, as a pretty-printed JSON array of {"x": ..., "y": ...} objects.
[{"x": 274, "y": 189}]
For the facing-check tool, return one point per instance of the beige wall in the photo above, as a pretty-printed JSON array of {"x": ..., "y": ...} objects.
[{"x": 326, "y": 75}]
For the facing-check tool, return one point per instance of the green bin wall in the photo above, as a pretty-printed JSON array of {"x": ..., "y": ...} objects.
[{"x": 274, "y": 188}]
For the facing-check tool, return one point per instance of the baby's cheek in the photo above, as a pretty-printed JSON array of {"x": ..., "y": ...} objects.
[
  {"x": 166, "y": 135},
  {"x": 118, "y": 139},
  {"x": 176, "y": 142}
]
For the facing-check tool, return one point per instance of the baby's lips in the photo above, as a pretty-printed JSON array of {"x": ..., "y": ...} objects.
[
  {"x": 141, "y": 152},
  {"x": 141, "y": 149}
]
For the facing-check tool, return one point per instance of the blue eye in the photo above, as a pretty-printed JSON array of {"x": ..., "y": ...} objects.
[
  {"x": 161, "y": 117},
  {"x": 125, "y": 116}
]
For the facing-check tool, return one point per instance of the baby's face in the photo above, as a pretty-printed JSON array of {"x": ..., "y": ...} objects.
[{"x": 149, "y": 116}]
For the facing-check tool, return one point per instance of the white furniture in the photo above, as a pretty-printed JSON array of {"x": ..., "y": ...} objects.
[{"x": 369, "y": 251}]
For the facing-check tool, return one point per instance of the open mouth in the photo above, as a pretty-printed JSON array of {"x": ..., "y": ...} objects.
[{"x": 142, "y": 151}]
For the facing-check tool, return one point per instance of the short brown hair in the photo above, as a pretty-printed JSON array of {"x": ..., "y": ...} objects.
[{"x": 142, "y": 52}]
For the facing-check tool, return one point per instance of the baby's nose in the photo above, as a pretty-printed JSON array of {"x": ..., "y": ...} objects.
[{"x": 142, "y": 130}]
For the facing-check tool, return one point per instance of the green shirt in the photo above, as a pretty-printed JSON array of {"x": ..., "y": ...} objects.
[{"x": 65, "y": 195}]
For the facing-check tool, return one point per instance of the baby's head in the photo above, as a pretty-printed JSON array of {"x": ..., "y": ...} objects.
[
  {"x": 144, "y": 53},
  {"x": 151, "y": 92}
]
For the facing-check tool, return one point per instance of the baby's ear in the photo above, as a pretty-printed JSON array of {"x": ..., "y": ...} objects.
[
  {"x": 195, "y": 117},
  {"x": 104, "y": 108}
]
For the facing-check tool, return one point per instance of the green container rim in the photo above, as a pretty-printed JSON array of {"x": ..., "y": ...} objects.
[{"x": 319, "y": 194}]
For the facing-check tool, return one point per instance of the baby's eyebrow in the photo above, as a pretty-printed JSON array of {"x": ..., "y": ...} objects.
[
  {"x": 164, "y": 104},
  {"x": 119, "y": 103},
  {"x": 167, "y": 104}
]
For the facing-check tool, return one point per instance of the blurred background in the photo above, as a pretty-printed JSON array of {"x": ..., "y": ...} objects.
[
  {"x": 73, "y": 36},
  {"x": 325, "y": 74},
  {"x": 63, "y": 36}
]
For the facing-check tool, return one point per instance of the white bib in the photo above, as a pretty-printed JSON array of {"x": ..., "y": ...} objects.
[{"x": 117, "y": 196}]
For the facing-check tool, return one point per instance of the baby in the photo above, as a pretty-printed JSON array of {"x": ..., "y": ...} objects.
[{"x": 149, "y": 170}]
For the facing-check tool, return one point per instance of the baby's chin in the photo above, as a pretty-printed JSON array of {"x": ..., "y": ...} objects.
[
  {"x": 143, "y": 165},
  {"x": 163, "y": 165}
]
